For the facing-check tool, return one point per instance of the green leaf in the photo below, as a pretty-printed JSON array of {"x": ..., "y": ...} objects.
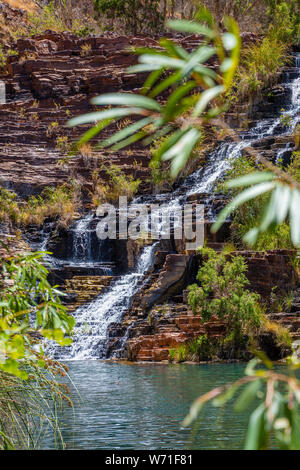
[
  {"x": 101, "y": 115},
  {"x": 179, "y": 147},
  {"x": 295, "y": 217},
  {"x": 226, "y": 65},
  {"x": 152, "y": 78},
  {"x": 170, "y": 142},
  {"x": 251, "y": 237},
  {"x": 162, "y": 61},
  {"x": 142, "y": 68},
  {"x": 174, "y": 100},
  {"x": 225, "y": 397},
  {"x": 173, "y": 49},
  {"x": 193, "y": 413},
  {"x": 295, "y": 433},
  {"x": 199, "y": 56},
  {"x": 166, "y": 83},
  {"x": 252, "y": 178},
  {"x": 256, "y": 434},
  {"x": 269, "y": 216},
  {"x": 229, "y": 40},
  {"x": 127, "y": 99},
  {"x": 206, "y": 71},
  {"x": 247, "y": 396},
  {"x": 181, "y": 151},
  {"x": 233, "y": 28},
  {"x": 243, "y": 197},
  {"x": 284, "y": 197},
  {"x": 91, "y": 133},
  {"x": 123, "y": 133},
  {"x": 130, "y": 140},
  {"x": 206, "y": 97},
  {"x": 191, "y": 27},
  {"x": 158, "y": 135}
]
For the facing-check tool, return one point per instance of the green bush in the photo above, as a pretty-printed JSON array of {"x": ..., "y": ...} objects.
[
  {"x": 138, "y": 15},
  {"x": 285, "y": 22},
  {"x": 222, "y": 293},
  {"x": 259, "y": 66}
]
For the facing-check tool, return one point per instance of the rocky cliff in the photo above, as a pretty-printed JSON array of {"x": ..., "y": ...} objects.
[{"x": 51, "y": 78}]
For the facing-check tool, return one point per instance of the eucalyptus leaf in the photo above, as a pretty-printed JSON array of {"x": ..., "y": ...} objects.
[
  {"x": 295, "y": 217},
  {"x": 256, "y": 434},
  {"x": 206, "y": 97},
  {"x": 229, "y": 41},
  {"x": 127, "y": 99},
  {"x": 252, "y": 178},
  {"x": 243, "y": 197},
  {"x": 191, "y": 27},
  {"x": 247, "y": 396},
  {"x": 102, "y": 115},
  {"x": 124, "y": 133},
  {"x": 162, "y": 61}
]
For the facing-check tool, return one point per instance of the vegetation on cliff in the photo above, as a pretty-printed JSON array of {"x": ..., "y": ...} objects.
[
  {"x": 58, "y": 204},
  {"x": 222, "y": 293},
  {"x": 30, "y": 310}
]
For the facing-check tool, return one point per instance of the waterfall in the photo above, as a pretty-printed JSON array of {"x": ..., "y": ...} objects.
[
  {"x": 82, "y": 243},
  {"x": 93, "y": 320}
]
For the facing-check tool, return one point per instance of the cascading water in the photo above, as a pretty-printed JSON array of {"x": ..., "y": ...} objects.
[
  {"x": 93, "y": 319},
  {"x": 82, "y": 244}
]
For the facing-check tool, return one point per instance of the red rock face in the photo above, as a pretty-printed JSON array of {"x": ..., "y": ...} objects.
[
  {"x": 270, "y": 269},
  {"x": 157, "y": 347},
  {"x": 52, "y": 79}
]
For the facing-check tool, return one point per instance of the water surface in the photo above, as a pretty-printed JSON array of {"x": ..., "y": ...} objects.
[{"x": 141, "y": 406}]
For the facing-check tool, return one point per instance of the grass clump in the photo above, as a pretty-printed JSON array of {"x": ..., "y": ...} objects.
[
  {"x": 59, "y": 203},
  {"x": 284, "y": 21},
  {"x": 46, "y": 19},
  {"x": 282, "y": 336},
  {"x": 259, "y": 66},
  {"x": 119, "y": 184},
  {"x": 59, "y": 18},
  {"x": 4, "y": 54},
  {"x": 261, "y": 62},
  {"x": 198, "y": 349}
]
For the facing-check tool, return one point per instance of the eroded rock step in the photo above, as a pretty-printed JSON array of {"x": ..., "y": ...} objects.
[{"x": 83, "y": 289}]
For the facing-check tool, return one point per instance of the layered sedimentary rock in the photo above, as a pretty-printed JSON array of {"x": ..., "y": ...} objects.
[{"x": 51, "y": 78}]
